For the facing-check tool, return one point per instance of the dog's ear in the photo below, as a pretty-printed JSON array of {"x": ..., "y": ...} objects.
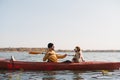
[{"x": 78, "y": 48}]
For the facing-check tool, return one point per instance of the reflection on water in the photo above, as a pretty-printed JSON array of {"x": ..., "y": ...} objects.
[
  {"x": 58, "y": 75},
  {"x": 49, "y": 75},
  {"x": 61, "y": 75},
  {"x": 77, "y": 75}
]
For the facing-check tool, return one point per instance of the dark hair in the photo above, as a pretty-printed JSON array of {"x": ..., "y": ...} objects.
[{"x": 50, "y": 45}]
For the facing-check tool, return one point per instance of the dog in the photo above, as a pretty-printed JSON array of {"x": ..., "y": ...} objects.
[{"x": 78, "y": 55}]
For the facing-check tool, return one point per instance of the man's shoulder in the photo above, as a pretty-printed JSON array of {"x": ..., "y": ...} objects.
[{"x": 51, "y": 52}]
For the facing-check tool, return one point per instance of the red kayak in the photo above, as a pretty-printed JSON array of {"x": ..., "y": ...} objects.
[{"x": 45, "y": 66}]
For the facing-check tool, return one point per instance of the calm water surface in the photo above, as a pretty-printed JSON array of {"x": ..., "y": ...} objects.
[{"x": 61, "y": 75}]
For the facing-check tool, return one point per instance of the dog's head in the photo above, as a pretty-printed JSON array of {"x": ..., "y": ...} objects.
[{"x": 77, "y": 49}]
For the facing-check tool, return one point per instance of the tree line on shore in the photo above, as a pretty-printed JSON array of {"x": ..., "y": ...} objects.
[
  {"x": 24, "y": 49},
  {"x": 45, "y": 49}
]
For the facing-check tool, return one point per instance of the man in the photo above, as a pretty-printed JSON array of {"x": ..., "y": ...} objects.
[{"x": 51, "y": 55}]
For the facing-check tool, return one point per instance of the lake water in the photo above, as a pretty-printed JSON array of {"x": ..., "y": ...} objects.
[{"x": 61, "y": 75}]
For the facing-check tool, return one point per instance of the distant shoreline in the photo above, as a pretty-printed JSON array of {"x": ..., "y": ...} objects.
[{"x": 45, "y": 49}]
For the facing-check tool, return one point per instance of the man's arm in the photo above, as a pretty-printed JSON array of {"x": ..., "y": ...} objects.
[
  {"x": 61, "y": 56},
  {"x": 45, "y": 57}
]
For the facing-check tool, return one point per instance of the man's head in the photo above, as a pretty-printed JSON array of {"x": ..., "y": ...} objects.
[{"x": 51, "y": 46}]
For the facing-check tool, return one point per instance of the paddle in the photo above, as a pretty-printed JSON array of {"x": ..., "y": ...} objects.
[
  {"x": 35, "y": 52},
  {"x": 104, "y": 72}
]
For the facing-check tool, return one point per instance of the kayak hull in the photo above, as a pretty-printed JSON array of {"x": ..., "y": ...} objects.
[{"x": 45, "y": 66}]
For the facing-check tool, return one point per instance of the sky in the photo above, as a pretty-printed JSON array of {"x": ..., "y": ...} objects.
[{"x": 90, "y": 24}]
